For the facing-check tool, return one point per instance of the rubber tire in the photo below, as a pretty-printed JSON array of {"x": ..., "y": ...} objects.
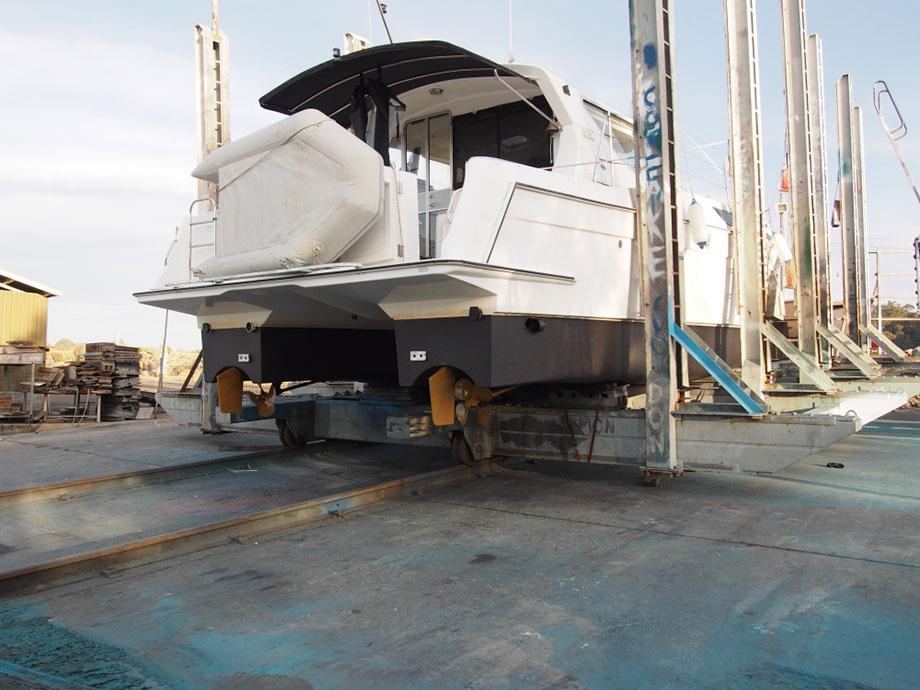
[
  {"x": 288, "y": 439},
  {"x": 461, "y": 450}
]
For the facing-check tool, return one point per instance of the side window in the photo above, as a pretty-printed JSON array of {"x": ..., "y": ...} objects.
[
  {"x": 625, "y": 137},
  {"x": 512, "y": 132},
  {"x": 604, "y": 151},
  {"x": 475, "y": 134},
  {"x": 523, "y": 138}
]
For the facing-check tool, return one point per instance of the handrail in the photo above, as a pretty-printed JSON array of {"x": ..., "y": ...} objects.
[
  {"x": 898, "y": 133},
  {"x": 192, "y": 223},
  {"x": 877, "y": 94}
]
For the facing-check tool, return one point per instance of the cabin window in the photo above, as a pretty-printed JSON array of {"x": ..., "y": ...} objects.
[
  {"x": 512, "y": 132},
  {"x": 615, "y": 145}
]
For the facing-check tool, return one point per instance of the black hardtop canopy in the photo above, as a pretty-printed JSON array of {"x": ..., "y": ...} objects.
[{"x": 330, "y": 87}]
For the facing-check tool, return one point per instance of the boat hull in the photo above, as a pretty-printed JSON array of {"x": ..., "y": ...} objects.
[{"x": 494, "y": 351}]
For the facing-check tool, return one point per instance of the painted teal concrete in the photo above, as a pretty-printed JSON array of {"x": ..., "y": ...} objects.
[{"x": 547, "y": 576}]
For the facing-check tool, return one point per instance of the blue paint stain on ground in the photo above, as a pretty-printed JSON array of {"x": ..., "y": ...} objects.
[
  {"x": 650, "y": 56},
  {"x": 586, "y": 605},
  {"x": 300, "y": 610},
  {"x": 769, "y": 634},
  {"x": 29, "y": 640}
]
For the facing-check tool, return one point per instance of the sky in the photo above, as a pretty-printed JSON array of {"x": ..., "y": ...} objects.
[{"x": 98, "y": 118}]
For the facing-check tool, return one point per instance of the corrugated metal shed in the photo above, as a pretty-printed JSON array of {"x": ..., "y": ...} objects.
[{"x": 23, "y": 316}]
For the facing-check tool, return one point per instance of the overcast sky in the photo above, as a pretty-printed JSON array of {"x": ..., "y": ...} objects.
[{"x": 98, "y": 135}]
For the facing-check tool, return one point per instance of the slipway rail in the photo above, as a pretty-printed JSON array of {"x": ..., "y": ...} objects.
[
  {"x": 114, "y": 557},
  {"x": 70, "y": 490}
]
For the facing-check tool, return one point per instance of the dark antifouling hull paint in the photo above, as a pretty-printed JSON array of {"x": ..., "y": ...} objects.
[
  {"x": 500, "y": 351},
  {"x": 494, "y": 351}
]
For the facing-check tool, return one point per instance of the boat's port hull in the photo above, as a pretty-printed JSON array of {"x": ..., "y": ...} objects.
[
  {"x": 269, "y": 355},
  {"x": 494, "y": 351}
]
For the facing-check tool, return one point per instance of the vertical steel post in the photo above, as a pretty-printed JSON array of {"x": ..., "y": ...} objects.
[
  {"x": 845, "y": 150},
  {"x": 212, "y": 86},
  {"x": 862, "y": 225},
  {"x": 30, "y": 398},
  {"x": 818, "y": 141},
  {"x": 212, "y": 110},
  {"x": 916, "y": 271},
  {"x": 800, "y": 183},
  {"x": 747, "y": 180},
  {"x": 657, "y": 221}
]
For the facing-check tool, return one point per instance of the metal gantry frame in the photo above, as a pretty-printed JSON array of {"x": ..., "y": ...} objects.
[
  {"x": 817, "y": 140},
  {"x": 801, "y": 184},
  {"x": 652, "y": 36},
  {"x": 658, "y": 226},
  {"x": 849, "y": 224},
  {"x": 746, "y": 145},
  {"x": 657, "y": 220},
  {"x": 212, "y": 115},
  {"x": 862, "y": 225}
]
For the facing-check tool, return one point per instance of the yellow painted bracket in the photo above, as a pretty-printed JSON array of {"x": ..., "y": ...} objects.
[
  {"x": 441, "y": 391},
  {"x": 230, "y": 390}
]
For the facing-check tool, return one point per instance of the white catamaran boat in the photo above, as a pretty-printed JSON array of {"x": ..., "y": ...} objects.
[{"x": 424, "y": 207}]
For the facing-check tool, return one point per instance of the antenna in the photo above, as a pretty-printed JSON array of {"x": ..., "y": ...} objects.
[
  {"x": 370, "y": 20},
  {"x": 383, "y": 10},
  {"x": 510, "y": 52}
]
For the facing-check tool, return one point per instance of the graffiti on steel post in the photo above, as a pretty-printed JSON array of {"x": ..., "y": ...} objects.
[
  {"x": 653, "y": 166},
  {"x": 657, "y": 244}
]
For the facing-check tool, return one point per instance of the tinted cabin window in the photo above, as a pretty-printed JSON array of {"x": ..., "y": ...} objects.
[{"x": 512, "y": 132}]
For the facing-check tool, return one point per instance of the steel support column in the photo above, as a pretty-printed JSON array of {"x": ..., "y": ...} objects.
[
  {"x": 212, "y": 89},
  {"x": 800, "y": 180},
  {"x": 846, "y": 151},
  {"x": 862, "y": 225},
  {"x": 658, "y": 220},
  {"x": 747, "y": 180},
  {"x": 818, "y": 142}
]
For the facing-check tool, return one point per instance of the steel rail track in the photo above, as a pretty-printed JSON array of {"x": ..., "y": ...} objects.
[
  {"x": 63, "y": 491},
  {"x": 110, "y": 560}
]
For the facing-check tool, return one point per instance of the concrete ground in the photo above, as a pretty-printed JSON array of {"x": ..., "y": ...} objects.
[
  {"x": 68, "y": 454},
  {"x": 35, "y": 533},
  {"x": 543, "y": 576}
]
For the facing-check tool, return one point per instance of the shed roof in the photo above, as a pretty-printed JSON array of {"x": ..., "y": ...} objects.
[{"x": 13, "y": 283}]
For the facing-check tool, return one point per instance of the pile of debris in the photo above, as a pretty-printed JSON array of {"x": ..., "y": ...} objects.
[{"x": 109, "y": 371}]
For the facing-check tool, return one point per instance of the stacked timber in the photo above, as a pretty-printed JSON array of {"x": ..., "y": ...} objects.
[
  {"x": 110, "y": 372},
  {"x": 117, "y": 373}
]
